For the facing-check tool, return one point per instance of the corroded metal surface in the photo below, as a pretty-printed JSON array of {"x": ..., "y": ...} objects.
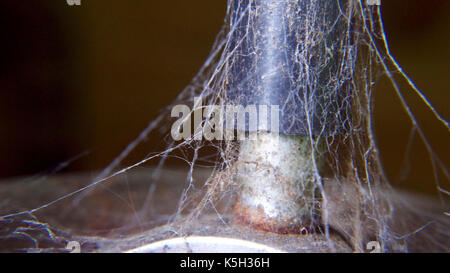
[
  {"x": 101, "y": 223},
  {"x": 276, "y": 188},
  {"x": 211, "y": 225}
]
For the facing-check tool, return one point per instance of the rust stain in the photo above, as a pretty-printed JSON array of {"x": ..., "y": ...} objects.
[{"x": 258, "y": 220}]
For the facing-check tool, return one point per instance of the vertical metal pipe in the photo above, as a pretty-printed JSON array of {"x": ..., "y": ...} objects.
[{"x": 284, "y": 53}]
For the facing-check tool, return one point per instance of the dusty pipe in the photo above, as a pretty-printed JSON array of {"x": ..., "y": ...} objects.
[{"x": 285, "y": 53}]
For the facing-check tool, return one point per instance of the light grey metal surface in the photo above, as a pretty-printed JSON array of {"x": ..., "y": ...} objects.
[{"x": 275, "y": 174}]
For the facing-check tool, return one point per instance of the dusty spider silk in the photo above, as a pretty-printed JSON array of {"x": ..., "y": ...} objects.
[{"x": 310, "y": 66}]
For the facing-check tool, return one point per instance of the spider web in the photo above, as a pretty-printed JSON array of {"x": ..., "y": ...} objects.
[{"x": 337, "y": 76}]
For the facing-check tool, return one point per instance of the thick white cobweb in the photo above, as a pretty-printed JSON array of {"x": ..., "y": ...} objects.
[{"x": 357, "y": 200}]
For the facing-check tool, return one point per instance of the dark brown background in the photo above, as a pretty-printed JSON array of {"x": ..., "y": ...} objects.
[{"x": 92, "y": 77}]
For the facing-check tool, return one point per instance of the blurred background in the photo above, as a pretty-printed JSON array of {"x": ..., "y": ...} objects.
[{"x": 91, "y": 77}]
